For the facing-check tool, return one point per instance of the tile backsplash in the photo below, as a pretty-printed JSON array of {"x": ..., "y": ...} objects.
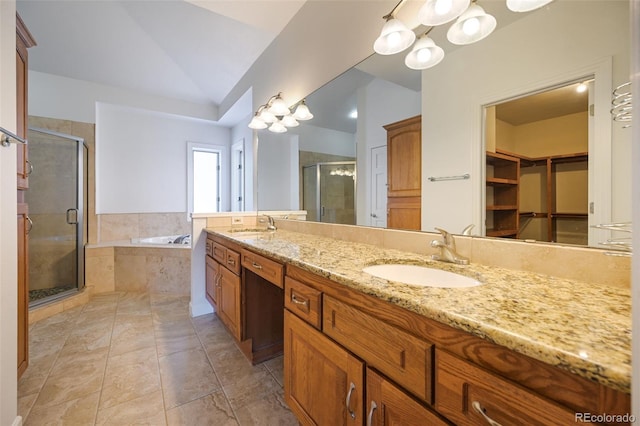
[{"x": 119, "y": 227}]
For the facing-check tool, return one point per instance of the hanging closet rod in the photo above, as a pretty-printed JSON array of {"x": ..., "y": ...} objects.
[
  {"x": 7, "y": 136},
  {"x": 459, "y": 177}
]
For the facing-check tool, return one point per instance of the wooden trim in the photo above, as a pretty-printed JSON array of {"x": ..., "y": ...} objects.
[
  {"x": 23, "y": 32},
  {"x": 406, "y": 122}
]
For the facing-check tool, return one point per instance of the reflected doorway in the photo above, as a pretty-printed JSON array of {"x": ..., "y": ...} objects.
[{"x": 329, "y": 192}]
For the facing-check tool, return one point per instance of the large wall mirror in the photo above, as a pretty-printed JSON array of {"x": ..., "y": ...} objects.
[{"x": 562, "y": 45}]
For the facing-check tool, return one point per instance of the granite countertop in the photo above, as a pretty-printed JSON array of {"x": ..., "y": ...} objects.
[{"x": 579, "y": 327}]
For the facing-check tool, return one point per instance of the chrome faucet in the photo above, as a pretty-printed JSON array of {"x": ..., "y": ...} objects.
[
  {"x": 447, "y": 249},
  {"x": 272, "y": 224}
]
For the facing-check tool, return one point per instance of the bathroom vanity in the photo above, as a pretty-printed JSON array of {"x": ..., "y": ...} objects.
[{"x": 520, "y": 348}]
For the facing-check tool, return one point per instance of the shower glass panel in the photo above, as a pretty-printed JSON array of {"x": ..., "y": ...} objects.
[
  {"x": 56, "y": 198},
  {"x": 329, "y": 192}
]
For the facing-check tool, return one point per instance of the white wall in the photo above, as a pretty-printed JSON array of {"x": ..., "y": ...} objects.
[
  {"x": 69, "y": 99},
  {"x": 8, "y": 231},
  {"x": 141, "y": 159},
  {"x": 278, "y": 186},
  {"x": 373, "y": 113},
  {"x": 242, "y": 132},
  {"x": 568, "y": 36},
  {"x": 326, "y": 141}
]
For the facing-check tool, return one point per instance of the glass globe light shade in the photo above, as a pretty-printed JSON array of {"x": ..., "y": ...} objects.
[
  {"x": 425, "y": 54},
  {"x": 526, "y": 5},
  {"x": 277, "y": 127},
  {"x": 473, "y": 25},
  {"x": 302, "y": 112},
  {"x": 436, "y": 12},
  {"x": 394, "y": 37},
  {"x": 256, "y": 123}
]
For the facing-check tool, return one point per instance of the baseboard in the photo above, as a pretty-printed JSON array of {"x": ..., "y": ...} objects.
[{"x": 202, "y": 308}]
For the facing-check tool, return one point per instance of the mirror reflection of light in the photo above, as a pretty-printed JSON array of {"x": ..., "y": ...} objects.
[
  {"x": 443, "y": 6},
  {"x": 353, "y": 114},
  {"x": 471, "y": 26},
  {"x": 581, "y": 88}
]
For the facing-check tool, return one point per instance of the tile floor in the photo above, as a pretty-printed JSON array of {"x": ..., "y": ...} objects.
[{"x": 138, "y": 358}]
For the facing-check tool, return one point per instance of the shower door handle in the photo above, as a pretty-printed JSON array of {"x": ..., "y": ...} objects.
[{"x": 72, "y": 216}]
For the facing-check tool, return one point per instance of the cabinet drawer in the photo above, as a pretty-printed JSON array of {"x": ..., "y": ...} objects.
[
  {"x": 218, "y": 252},
  {"x": 268, "y": 269},
  {"x": 397, "y": 354},
  {"x": 464, "y": 390},
  {"x": 304, "y": 301},
  {"x": 232, "y": 261},
  {"x": 209, "y": 247}
]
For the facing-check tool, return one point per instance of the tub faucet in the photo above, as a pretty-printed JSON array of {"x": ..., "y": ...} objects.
[{"x": 447, "y": 249}]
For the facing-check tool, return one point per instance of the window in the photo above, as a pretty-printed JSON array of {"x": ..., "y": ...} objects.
[{"x": 204, "y": 178}]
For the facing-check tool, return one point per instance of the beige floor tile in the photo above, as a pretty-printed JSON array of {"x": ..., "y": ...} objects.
[
  {"x": 25, "y": 404},
  {"x": 175, "y": 337},
  {"x": 270, "y": 410},
  {"x": 139, "y": 358},
  {"x": 79, "y": 411},
  {"x": 213, "y": 409},
  {"x": 232, "y": 367},
  {"x": 250, "y": 389},
  {"x": 146, "y": 410},
  {"x": 186, "y": 376},
  {"x": 130, "y": 376}
]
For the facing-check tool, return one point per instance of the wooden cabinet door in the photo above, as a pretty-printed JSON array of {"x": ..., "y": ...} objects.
[
  {"x": 404, "y": 173},
  {"x": 211, "y": 280},
  {"x": 404, "y": 148},
  {"x": 323, "y": 383},
  {"x": 388, "y": 405},
  {"x": 228, "y": 302},
  {"x": 23, "y": 288}
]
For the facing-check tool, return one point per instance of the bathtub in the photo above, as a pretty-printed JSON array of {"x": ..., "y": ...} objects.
[{"x": 181, "y": 240}]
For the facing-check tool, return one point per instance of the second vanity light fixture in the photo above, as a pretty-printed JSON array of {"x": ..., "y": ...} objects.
[
  {"x": 472, "y": 24},
  {"x": 277, "y": 116}
]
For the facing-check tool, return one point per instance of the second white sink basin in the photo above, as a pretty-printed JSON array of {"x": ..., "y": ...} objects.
[{"x": 421, "y": 276}]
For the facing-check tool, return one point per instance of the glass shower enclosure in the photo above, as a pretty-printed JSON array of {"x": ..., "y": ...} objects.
[
  {"x": 57, "y": 200},
  {"x": 329, "y": 192}
]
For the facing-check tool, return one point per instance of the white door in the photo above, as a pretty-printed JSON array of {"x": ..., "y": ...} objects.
[{"x": 379, "y": 187}]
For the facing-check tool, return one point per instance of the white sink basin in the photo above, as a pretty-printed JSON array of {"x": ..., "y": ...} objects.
[{"x": 421, "y": 276}]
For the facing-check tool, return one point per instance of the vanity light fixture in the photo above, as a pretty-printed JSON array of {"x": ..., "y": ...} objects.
[
  {"x": 526, "y": 5},
  {"x": 436, "y": 12},
  {"x": 425, "y": 54},
  {"x": 277, "y": 106},
  {"x": 473, "y": 25},
  {"x": 277, "y": 113},
  {"x": 302, "y": 112},
  {"x": 395, "y": 36}
]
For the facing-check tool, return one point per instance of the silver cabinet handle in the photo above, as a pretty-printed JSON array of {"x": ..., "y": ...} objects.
[
  {"x": 476, "y": 406},
  {"x": 30, "y": 225},
  {"x": 352, "y": 413},
  {"x": 374, "y": 215},
  {"x": 231, "y": 261},
  {"x": 256, "y": 265},
  {"x": 30, "y": 168},
  {"x": 297, "y": 301},
  {"x": 371, "y": 410}
]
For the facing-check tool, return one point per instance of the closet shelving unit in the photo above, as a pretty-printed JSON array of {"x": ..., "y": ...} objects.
[{"x": 505, "y": 218}]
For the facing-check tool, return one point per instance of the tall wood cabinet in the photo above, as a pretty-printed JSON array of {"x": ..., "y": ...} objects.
[
  {"x": 24, "y": 40},
  {"x": 404, "y": 171}
]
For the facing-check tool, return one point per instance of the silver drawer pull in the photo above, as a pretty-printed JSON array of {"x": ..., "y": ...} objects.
[
  {"x": 352, "y": 413},
  {"x": 371, "y": 410},
  {"x": 476, "y": 406},
  {"x": 231, "y": 261},
  {"x": 297, "y": 301},
  {"x": 256, "y": 265}
]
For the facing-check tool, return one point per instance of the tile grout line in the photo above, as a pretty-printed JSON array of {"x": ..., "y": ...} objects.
[
  {"x": 155, "y": 341},
  {"x": 106, "y": 364},
  {"x": 222, "y": 388}
]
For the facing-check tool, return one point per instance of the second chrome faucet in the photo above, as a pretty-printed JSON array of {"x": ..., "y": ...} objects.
[{"x": 447, "y": 248}]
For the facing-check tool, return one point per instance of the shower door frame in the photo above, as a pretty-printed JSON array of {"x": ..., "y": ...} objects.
[
  {"x": 80, "y": 217},
  {"x": 318, "y": 189}
]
